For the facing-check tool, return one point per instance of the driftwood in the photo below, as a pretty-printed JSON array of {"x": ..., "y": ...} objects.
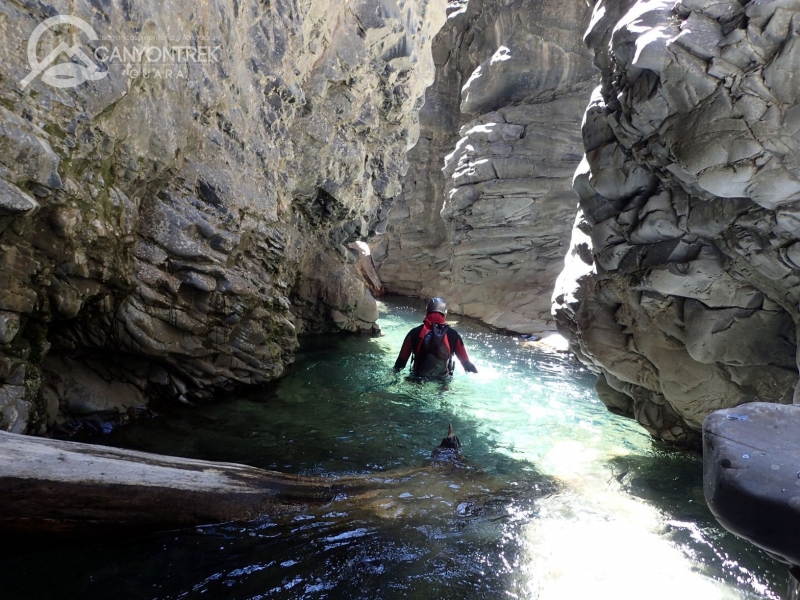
[
  {"x": 73, "y": 489},
  {"x": 51, "y": 486}
]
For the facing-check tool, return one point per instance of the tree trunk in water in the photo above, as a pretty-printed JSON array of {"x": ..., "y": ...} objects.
[{"x": 56, "y": 487}]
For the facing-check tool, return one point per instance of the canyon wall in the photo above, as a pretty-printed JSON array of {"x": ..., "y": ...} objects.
[
  {"x": 682, "y": 283},
  {"x": 502, "y": 119},
  {"x": 176, "y": 203}
]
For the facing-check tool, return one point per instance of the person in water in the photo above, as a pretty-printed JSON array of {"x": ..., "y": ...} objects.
[{"x": 431, "y": 346}]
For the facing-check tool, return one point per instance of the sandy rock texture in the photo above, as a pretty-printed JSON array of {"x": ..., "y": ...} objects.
[
  {"x": 170, "y": 234},
  {"x": 682, "y": 283},
  {"x": 502, "y": 119}
]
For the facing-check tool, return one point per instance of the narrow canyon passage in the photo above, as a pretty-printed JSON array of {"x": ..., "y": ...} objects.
[
  {"x": 557, "y": 498},
  {"x": 183, "y": 260}
]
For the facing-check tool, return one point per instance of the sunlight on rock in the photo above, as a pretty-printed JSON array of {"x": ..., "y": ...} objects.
[
  {"x": 476, "y": 74},
  {"x": 503, "y": 53},
  {"x": 555, "y": 342}
]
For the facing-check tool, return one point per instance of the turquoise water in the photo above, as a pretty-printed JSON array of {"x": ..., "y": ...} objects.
[{"x": 558, "y": 498}]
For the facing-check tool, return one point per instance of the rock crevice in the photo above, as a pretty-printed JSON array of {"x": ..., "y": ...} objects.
[{"x": 487, "y": 205}]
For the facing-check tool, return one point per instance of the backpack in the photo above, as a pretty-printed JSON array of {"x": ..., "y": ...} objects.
[{"x": 433, "y": 357}]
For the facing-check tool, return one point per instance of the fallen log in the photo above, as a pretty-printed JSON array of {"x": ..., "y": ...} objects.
[{"x": 58, "y": 487}]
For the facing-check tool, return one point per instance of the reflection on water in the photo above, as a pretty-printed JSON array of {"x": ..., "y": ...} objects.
[{"x": 557, "y": 497}]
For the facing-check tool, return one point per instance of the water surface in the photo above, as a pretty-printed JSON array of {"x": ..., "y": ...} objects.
[{"x": 558, "y": 499}]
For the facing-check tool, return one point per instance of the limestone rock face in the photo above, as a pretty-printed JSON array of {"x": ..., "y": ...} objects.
[
  {"x": 490, "y": 231},
  {"x": 682, "y": 283},
  {"x": 171, "y": 226}
]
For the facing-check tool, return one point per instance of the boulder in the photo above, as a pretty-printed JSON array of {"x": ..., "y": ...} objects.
[{"x": 751, "y": 474}]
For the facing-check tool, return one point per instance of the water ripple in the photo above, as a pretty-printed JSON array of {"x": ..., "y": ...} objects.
[{"x": 555, "y": 498}]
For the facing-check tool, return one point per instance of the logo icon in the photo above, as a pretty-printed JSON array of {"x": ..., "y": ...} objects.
[{"x": 66, "y": 74}]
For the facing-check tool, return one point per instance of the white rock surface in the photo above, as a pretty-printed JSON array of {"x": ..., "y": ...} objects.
[
  {"x": 174, "y": 232},
  {"x": 489, "y": 232}
]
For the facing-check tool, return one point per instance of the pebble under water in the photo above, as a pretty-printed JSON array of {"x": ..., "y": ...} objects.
[{"x": 557, "y": 499}]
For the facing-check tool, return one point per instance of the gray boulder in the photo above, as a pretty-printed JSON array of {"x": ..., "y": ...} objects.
[{"x": 750, "y": 476}]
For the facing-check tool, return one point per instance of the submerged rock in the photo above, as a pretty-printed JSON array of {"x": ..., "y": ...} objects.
[
  {"x": 172, "y": 228},
  {"x": 679, "y": 288},
  {"x": 450, "y": 448}
]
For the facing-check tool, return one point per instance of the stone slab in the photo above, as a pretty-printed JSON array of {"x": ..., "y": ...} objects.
[{"x": 751, "y": 474}]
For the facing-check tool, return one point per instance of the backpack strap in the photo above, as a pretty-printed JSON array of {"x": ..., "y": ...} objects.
[
  {"x": 416, "y": 339},
  {"x": 420, "y": 337},
  {"x": 452, "y": 340}
]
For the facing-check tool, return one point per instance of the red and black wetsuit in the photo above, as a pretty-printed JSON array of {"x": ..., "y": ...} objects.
[{"x": 415, "y": 336}]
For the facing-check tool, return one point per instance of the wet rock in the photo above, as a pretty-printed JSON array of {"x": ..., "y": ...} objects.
[
  {"x": 751, "y": 478},
  {"x": 9, "y": 327},
  {"x": 688, "y": 193},
  {"x": 79, "y": 391}
]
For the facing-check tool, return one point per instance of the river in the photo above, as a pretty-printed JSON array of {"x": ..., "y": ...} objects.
[{"x": 556, "y": 498}]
